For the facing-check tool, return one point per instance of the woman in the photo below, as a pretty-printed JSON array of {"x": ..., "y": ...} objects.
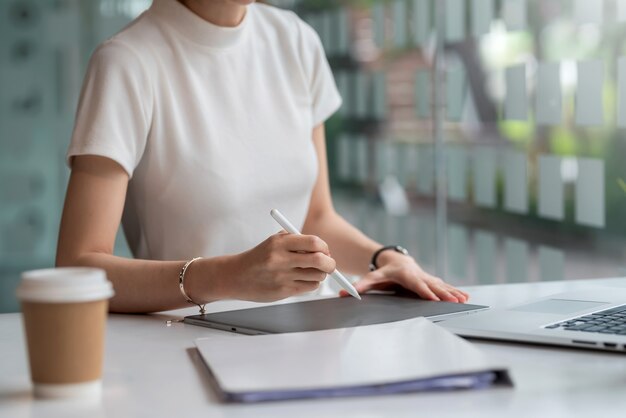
[{"x": 194, "y": 121}]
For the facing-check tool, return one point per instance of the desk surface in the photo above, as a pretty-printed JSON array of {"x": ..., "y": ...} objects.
[{"x": 152, "y": 370}]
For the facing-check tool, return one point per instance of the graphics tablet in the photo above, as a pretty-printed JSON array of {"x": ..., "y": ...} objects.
[{"x": 329, "y": 313}]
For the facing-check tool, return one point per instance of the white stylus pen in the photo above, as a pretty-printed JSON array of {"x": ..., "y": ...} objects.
[{"x": 339, "y": 278}]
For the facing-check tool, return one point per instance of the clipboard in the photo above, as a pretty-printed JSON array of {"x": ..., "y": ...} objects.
[{"x": 406, "y": 356}]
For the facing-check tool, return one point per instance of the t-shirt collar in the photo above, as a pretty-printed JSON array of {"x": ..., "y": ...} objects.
[{"x": 197, "y": 29}]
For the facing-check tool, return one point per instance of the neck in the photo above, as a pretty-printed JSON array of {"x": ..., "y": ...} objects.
[{"x": 218, "y": 12}]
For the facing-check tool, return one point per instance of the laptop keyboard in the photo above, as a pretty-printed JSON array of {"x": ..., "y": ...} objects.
[{"x": 609, "y": 321}]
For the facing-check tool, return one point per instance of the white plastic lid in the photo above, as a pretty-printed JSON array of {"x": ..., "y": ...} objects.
[{"x": 65, "y": 284}]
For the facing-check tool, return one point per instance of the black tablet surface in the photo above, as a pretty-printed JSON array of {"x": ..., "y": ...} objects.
[{"x": 329, "y": 313}]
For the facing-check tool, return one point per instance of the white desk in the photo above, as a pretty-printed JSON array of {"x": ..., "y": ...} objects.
[{"x": 152, "y": 370}]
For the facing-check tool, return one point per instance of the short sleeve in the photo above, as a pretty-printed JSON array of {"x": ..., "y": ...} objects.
[
  {"x": 113, "y": 117},
  {"x": 325, "y": 97}
]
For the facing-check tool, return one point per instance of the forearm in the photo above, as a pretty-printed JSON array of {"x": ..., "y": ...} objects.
[
  {"x": 150, "y": 286},
  {"x": 279, "y": 267},
  {"x": 351, "y": 248}
]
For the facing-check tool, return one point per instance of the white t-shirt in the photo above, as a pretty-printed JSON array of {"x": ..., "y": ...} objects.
[{"x": 213, "y": 125}]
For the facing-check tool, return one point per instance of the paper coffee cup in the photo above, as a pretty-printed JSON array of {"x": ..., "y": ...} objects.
[{"x": 64, "y": 311}]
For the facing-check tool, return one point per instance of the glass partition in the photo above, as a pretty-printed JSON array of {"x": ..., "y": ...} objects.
[
  {"x": 486, "y": 136},
  {"x": 501, "y": 124},
  {"x": 44, "y": 49}
]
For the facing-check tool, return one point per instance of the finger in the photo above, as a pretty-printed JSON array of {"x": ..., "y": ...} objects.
[
  {"x": 424, "y": 291},
  {"x": 461, "y": 295},
  {"x": 306, "y": 243},
  {"x": 458, "y": 295},
  {"x": 461, "y": 298},
  {"x": 301, "y": 286},
  {"x": 368, "y": 281},
  {"x": 363, "y": 285},
  {"x": 309, "y": 275},
  {"x": 440, "y": 288},
  {"x": 319, "y": 261},
  {"x": 443, "y": 293}
]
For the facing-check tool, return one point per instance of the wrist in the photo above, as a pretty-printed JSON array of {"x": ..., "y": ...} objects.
[
  {"x": 204, "y": 280},
  {"x": 388, "y": 257},
  {"x": 389, "y": 254}
]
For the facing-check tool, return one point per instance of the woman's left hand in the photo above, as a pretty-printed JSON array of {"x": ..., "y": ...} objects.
[{"x": 401, "y": 270}]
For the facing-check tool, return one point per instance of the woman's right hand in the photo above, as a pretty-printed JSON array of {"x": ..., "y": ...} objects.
[{"x": 281, "y": 266}]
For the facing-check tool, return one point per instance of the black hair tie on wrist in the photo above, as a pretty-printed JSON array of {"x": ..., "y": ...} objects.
[{"x": 396, "y": 248}]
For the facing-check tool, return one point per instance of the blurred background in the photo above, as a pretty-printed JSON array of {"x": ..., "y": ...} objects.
[{"x": 486, "y": 136}]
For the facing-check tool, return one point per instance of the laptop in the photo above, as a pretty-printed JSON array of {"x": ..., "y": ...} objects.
[
  {"x": 330, "y": 313},
  {"x": 593, "y": 318}
]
